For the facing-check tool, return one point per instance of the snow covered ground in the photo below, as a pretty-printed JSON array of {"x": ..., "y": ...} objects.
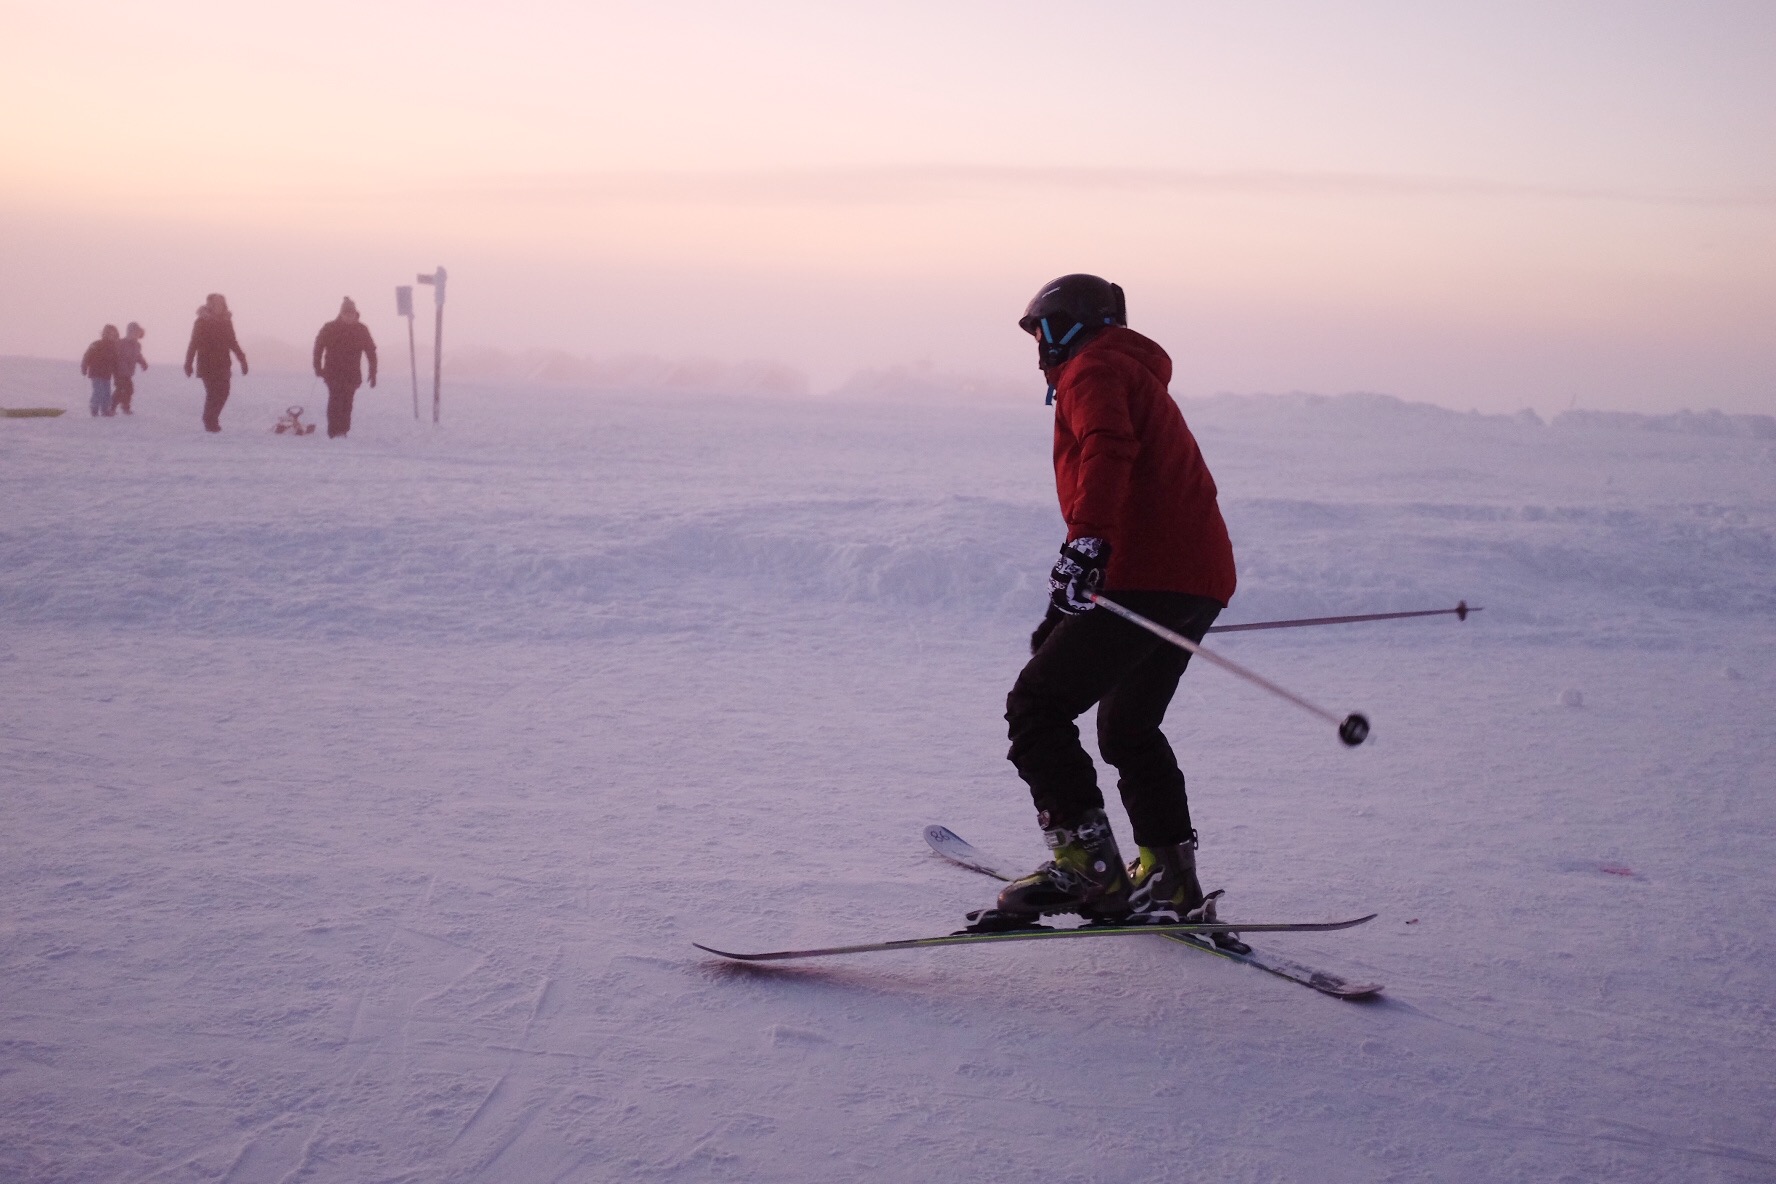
[{"x": 359, "y": 800}]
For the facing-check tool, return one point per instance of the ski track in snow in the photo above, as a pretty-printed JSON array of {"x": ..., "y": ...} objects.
[{"x": 361, "y": 800}]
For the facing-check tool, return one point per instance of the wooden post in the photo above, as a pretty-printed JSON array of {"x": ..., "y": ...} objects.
[
  {"x": 404, "y": 308},
  {"x": 436, "y": 280}
]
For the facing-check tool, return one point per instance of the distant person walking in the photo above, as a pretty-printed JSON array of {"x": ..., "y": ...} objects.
[
  {"x": 212, "y": 341},
  {"x": 99, "y": 363},
  {"x": 339, "y": 349},
  {"x": 129, "y": 356}
]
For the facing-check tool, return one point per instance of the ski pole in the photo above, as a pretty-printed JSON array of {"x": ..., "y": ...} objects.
[
  {"x": 1353, "y": 729},
  {"x": 1460, "y": 612}
]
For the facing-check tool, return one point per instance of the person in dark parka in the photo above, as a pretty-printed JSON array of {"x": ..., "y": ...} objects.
[
  {"x": 338, "y": 350},
  {"x": 213, "y": 348}
]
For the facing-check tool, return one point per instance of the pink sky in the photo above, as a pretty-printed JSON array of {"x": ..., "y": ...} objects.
[{"x": 1519, "y": 205}]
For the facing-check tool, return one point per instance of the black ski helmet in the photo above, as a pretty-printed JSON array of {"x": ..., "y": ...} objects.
[{"x": 1068, "y": 312}]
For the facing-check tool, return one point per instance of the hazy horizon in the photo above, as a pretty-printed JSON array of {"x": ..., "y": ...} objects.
[{"x": 1518, "y": 207}]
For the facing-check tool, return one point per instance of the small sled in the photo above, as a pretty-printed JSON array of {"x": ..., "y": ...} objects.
[
  {"x": 30, "y": 412},
  {"x": 291, "y": 424}
]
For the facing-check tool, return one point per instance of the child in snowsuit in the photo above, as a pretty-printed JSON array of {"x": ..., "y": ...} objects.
[
  {"x": 99, "y": 363},
  {"x": 129, "y": 356}
]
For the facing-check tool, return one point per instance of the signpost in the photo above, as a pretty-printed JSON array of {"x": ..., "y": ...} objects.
[
  {"x": 436, "y": 280},
  {"x": 404, "y": 308}
]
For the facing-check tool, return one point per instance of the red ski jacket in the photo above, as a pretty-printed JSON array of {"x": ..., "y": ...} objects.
[{"x": 1128, "y": 470}]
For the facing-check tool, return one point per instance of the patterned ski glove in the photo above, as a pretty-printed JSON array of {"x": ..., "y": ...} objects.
[{"x": 1078, "y": 574}]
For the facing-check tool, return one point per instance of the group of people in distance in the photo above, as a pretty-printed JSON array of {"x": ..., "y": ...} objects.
[{"x": 339, "y": 351}]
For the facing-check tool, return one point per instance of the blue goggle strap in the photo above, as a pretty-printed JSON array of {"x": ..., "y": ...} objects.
[{"x": 1048, "y": 333}]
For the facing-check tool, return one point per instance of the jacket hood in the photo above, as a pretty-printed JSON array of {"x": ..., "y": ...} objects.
[{"x": 1130, "y": 344}]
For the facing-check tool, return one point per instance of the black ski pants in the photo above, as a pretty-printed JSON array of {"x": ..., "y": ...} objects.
[
  {"x": 340, "y": 392},
  {"x": 1097, "y": 657},
  {"x": 215, "y": 396}
]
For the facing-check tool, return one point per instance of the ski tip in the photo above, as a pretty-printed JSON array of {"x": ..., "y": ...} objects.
[
  {"x": 722, "y": 953},
  {"x": 945, "y": 841},
  {"x": 961, "y": 852}
]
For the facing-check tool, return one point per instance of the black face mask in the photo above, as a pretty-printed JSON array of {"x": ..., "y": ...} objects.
[{"x": 1054, "y": 344}]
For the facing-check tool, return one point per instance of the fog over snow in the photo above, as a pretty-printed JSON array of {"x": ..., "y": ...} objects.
[
  {"x": 1495, "y": 206},
  {"x": 360, "y": 800}
]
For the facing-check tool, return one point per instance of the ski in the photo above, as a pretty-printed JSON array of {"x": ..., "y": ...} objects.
[
  {"x": 960, "y": 851},
  {"x": 1036, "y": 933}
]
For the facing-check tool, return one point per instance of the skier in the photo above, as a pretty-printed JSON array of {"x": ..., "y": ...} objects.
[
  {"x": 1143, "y": 527},
  {"x": 212, "y": 341},
  {"x": 339, "y": 346},
  {"x": 129, "y": 356},
  {"x": 99, "y": 363}
]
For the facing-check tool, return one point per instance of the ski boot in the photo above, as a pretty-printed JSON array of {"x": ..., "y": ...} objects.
[
  {"x": 1166, "y": 890},
  {"x": 1085, "y": 877},
  {"x": 1163, "y": 883}
]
